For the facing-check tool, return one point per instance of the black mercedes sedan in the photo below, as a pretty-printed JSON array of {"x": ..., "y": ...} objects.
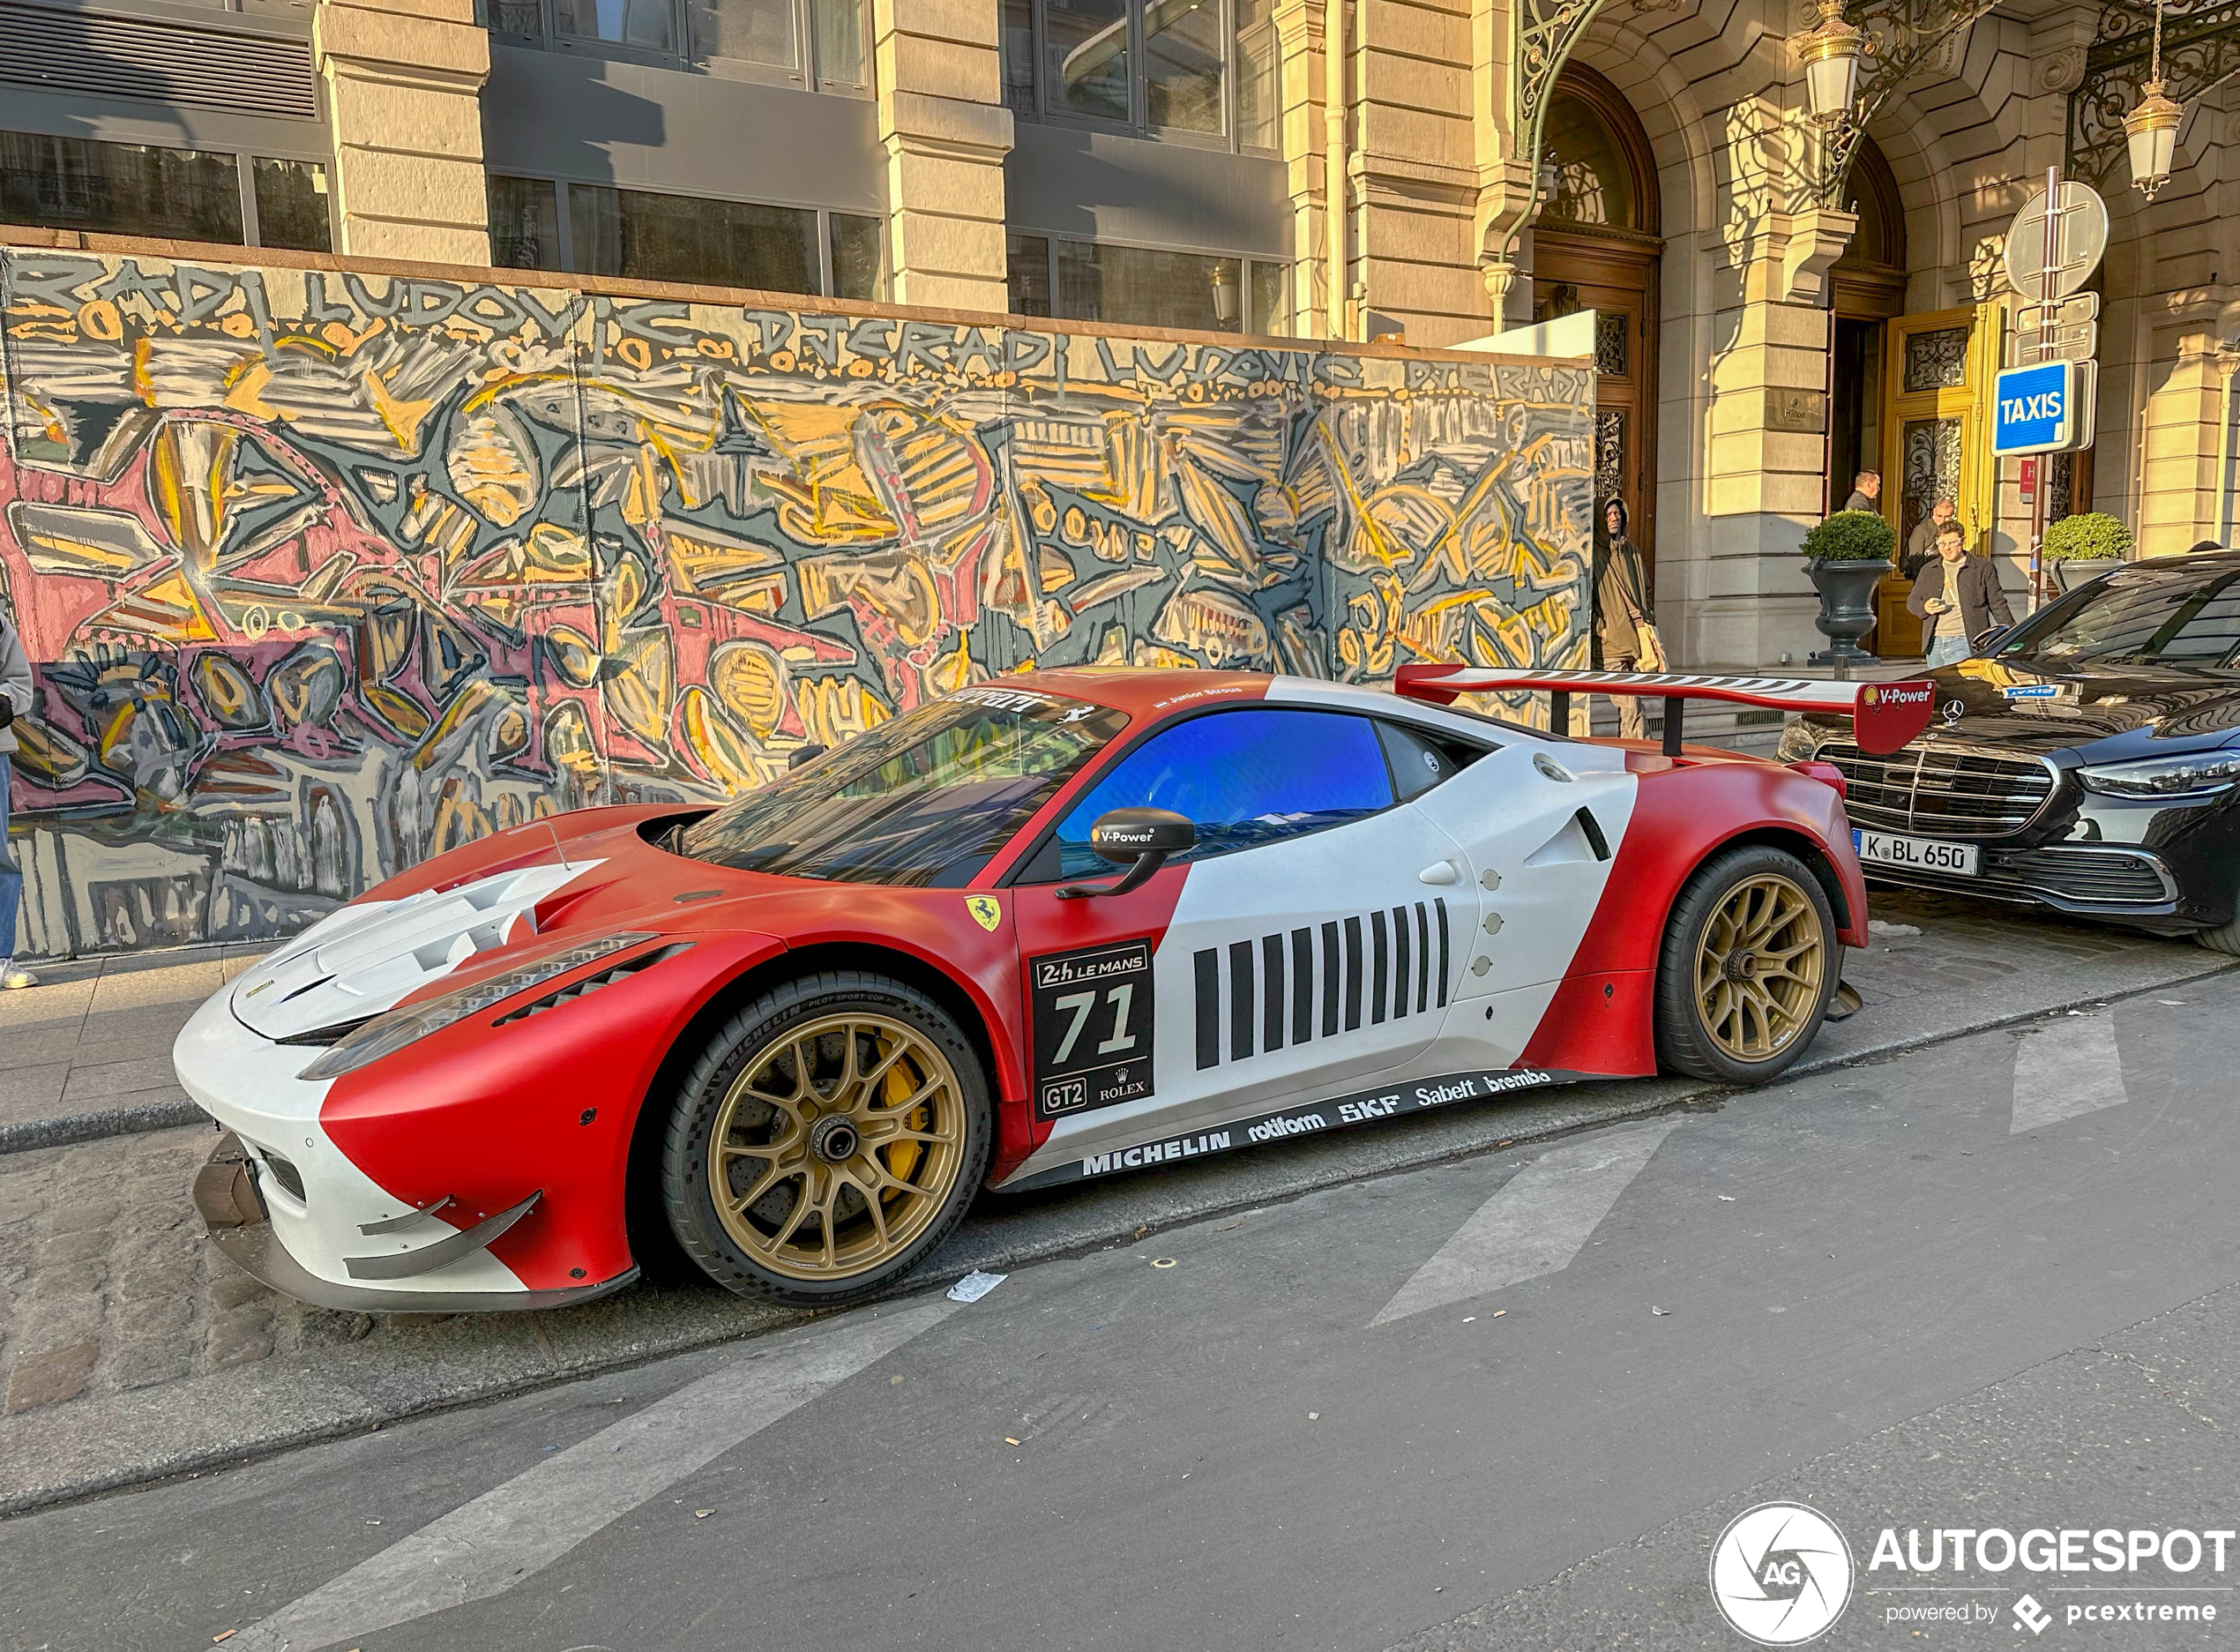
[{"x": 2087, "y": 760}]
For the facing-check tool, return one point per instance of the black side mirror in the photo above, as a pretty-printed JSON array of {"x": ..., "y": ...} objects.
[
  {"x": 1141, "y": 840},
  {"x": 802, "y": 754}
]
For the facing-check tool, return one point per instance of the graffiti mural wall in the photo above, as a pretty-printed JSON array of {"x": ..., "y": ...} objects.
[{"x": 325, "y": 573}]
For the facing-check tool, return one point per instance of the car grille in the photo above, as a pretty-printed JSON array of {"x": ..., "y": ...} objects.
[
  {"x": 2066, "y": 876},
  {"x": 2088, "y": 876},
  {"x": 1940, "y": 789}
]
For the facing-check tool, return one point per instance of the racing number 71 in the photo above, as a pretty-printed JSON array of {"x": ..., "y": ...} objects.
[{"x": 1081, "y": 1004}]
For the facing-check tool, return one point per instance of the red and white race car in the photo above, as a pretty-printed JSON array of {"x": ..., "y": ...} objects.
[{"x": 1051, "y": 927}]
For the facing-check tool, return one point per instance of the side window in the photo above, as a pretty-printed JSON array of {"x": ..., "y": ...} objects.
[
  {"x": 1417, "y": 764},
  {"x": 1243, "y": 778}
]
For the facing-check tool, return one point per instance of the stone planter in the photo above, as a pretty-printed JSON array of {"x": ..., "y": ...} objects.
[
  {"x": 2069, "y": 572},
  {"x": 1846, "y": 606}
]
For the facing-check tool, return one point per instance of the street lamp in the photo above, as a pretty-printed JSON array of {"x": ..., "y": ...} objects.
[
  {"x": 1225, "y": 291},
  {"x": 1831, "y": 54},
  {"x": 2150, "y": 128}
]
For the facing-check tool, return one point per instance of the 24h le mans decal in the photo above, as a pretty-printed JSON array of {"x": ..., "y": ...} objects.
[{"x": 1094, "y": 1011}]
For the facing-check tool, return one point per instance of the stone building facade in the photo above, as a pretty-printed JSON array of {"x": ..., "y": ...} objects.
[{"x": 1773, "y": 310}]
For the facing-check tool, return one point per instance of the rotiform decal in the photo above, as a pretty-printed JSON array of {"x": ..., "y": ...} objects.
[
  {"x": 1093, "y": 1012},
  {"x": 1304, "y": 1119}
]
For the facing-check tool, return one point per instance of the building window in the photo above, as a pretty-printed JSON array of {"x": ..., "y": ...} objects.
[
  {"x": 595, "y": 229},
  {"x": 177, "y": 194},
  {"x": 1204, "y": 70},
  {"x": 1146, "y": 287},
  {"x": 820, "y": 43}
]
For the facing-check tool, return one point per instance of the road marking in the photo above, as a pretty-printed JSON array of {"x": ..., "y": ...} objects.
[
  {"x": 485, "y": 1547},
  {"x": 2067, "y": 1067},
  {"x": 1541, "y": 1219}
]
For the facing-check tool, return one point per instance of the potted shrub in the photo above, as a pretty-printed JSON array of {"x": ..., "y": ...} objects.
[
  {"x": 1849, "y": 555},
  {"x": 2084, "y": 546}
]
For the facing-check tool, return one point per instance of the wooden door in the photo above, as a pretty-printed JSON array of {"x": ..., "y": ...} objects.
[
  {"x": 1615, "y": 275},
  {"x": 1936, "y": 380}
]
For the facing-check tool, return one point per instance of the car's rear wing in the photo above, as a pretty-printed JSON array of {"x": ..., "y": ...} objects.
[{"x": 1884, "y": 715}]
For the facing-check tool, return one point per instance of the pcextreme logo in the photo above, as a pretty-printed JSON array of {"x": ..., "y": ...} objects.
[{"x": 1780, "y": 1573}]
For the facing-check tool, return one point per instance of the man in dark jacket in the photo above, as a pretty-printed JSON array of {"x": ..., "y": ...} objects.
[
  {"x": 1960, "y": 596},
  {"x": 1866, "y": 493}
]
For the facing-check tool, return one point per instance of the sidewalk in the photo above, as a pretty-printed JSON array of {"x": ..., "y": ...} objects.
[
  {"x": 130, "y": 1348},
  {"x": 87, "y": 1052}
]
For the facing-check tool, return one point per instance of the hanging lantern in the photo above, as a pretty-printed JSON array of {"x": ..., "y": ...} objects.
[
  {"x": 1226, "y": 291},
  {"x": 1831, "y": 53},
  {"x": 2151, "y": 130}
]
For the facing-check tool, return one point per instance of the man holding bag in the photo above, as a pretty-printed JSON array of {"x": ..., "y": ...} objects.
[
  {"x": 1625, "y": 640},
  {"x": 15, "y": 699}
]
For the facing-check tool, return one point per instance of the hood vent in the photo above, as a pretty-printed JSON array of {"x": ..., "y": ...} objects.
[{"x": 590, "y": 984}]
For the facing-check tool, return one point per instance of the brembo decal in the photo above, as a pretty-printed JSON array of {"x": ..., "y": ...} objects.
[
  {"x": 1093, "y": 1014},
  {"x": 1359, "y": 1108},
  {"x": 1318, "y": 982}
]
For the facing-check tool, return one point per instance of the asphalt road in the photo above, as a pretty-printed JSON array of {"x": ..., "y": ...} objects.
[{"x": 1509, "y": 1401}]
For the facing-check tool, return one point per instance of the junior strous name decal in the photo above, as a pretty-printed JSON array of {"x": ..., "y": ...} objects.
[{"x": 1305, "y": 1119}]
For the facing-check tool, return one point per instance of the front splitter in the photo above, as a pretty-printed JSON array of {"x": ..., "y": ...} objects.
[{"x": 233, "y": 1209}]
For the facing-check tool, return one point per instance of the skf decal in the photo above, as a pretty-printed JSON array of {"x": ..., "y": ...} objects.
[
  {"x": 1093, "y": 1012},
  {"x": 1339, "y": 1111},
  {"x": 985, "y": 910}
]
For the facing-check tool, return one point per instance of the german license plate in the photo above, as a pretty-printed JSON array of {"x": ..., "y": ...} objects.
[{"x": 1922, "y": 854}]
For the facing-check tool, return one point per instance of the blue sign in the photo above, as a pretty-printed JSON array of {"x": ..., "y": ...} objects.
[
  {"x": 2032, "y": 410},
  {"x": 2034, "y": 690}
]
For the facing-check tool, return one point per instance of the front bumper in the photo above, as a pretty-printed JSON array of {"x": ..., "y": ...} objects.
[
  {"x": 2108, "y": 880},
  {"x": 232, "y": 1206}
]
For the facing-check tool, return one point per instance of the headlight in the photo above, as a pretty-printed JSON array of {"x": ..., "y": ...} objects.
[
  {"x": 2165, "y": 776},
  {"x": 385, "y": 1035},
  {"x": 1799, "y": 741}
]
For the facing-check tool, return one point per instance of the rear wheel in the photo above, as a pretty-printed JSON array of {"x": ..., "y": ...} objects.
[
  {"x": 828, "y": 1139},
  {"x": 1750, "y": 958}
]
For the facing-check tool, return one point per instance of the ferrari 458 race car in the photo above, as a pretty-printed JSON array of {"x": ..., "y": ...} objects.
[{"x": 1050, "y": 927}]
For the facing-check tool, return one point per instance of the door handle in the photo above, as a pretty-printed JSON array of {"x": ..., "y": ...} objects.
[{"x": 1439, "y": 872}]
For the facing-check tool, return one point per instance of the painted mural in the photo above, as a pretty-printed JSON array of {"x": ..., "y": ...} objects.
[{"x": 325, "y": 573}]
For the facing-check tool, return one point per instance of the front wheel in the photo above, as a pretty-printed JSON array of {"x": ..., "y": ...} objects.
[
  {"x": 1750, "y": 958},
  {"x": 828, "y": 1138}
]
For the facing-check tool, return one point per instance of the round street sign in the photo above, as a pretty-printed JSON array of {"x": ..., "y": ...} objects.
[{"x": 2082, "y": 224}]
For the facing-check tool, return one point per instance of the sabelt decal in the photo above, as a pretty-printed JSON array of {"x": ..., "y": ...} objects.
[
  {"x": 1094, "y": 1013},
  {"x": 1336, "y": 1113}
]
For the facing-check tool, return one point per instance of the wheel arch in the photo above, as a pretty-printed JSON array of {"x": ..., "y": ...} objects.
[
  {"x": 1849, "y": 916},
  {"x": 646, "y": 1220}
]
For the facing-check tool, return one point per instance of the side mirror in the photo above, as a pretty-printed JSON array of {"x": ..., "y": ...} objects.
[
  {"x": 1141, "y": 840},
  {"x": 802, "y": 754}
]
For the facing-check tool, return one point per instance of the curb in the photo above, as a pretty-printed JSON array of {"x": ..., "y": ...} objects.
[{"x": 116, "y": 1121}]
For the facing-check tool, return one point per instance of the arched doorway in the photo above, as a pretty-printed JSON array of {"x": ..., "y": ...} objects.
[{"x": 1596, "y": 246}]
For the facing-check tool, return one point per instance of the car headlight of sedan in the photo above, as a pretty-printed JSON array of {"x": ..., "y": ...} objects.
[
  {"x": 385, "y": 1035},
  {"x": 2190, "y": 774}
]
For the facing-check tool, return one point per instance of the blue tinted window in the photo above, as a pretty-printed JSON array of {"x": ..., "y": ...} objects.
[{"x": 1242, "y": 778}]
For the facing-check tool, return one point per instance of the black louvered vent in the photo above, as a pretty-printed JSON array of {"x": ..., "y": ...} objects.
[{"x": 164, "y": 63}]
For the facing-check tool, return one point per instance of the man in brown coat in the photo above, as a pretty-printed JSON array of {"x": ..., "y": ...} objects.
[{"x": 1960, "y": 596}]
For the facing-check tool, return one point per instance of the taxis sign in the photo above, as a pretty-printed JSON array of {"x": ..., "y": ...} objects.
[{"x": 2035, "y": 409}]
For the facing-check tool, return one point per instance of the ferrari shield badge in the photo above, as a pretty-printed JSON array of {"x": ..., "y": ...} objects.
[{"x": 985, "y": 911}]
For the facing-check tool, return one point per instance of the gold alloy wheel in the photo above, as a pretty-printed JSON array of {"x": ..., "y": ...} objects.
[
  {"x": 836, "y": 1146},
  {"x": 1759, "y": 966}
]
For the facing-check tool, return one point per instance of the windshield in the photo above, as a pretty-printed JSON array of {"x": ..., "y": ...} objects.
[
  {"x": 2143, "y": 615},
  {"x": 923, "y": 801}
]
